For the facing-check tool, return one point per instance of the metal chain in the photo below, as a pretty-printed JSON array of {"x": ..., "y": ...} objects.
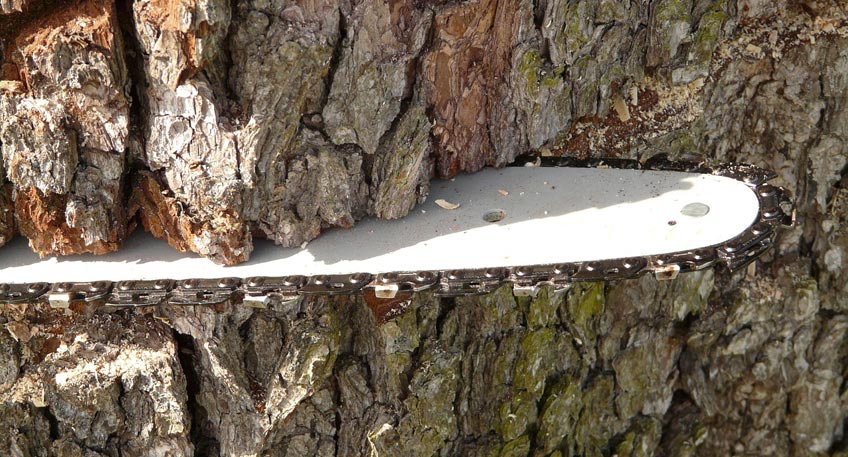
[{"x": 775, "y": 210}]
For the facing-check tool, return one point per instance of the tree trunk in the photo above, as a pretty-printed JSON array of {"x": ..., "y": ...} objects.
[{"x": 211, "y": 123}]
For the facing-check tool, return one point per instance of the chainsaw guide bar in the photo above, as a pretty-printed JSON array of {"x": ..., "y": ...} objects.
[{"x": 548, "y": 221}]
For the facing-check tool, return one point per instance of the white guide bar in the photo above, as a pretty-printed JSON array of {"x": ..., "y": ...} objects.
[{"x": 506, "y": 217}]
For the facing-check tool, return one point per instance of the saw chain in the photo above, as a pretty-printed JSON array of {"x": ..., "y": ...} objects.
[{"x": 775, "y": 210}]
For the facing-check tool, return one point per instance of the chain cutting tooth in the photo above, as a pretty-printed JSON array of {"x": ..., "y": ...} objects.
[
  {"x": 526, "y": 281},
  {"x": 388, "y": 285},
  {"x": 335, "y": 284},
  {"x": 140, "y": 293},
  {"x": 260, "y": 291},
  {"x": 668, "y": 266},
  {"x": 199, "y": 292},
  {"x": 62, "y": 294},
  {"x": 751, "y": 254},
  {"x": 457, "y": 283},
  {"x": 611, "y": 270},
  {"x": 787, "y": 207},
  {"x": 23, "y": 293},
  {"x": 666, "y": 272},
  {"x": 775, "y": 205},
  {"x": 750, "y": 238}
]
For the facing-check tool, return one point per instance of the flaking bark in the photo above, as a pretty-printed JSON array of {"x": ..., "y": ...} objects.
[{"x": 64, "y": 119}]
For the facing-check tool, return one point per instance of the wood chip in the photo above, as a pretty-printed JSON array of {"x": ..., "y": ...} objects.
[
  {"x": 19, "y": 331},
  {"x": 634, "y": 95},
  {"x": 621, "y": 108},
  {"x": 446, "y": 204},
  {"x": 537, "y": 163},
  {"x": 503, "y": 192}
]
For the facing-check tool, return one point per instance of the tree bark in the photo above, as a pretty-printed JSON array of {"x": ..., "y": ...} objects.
[{"x": 210, "y": 123}]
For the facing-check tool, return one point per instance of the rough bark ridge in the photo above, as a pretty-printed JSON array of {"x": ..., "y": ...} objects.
[
  {"x": 63, "y": 127},
  {"x": 243, "y": 129},
  {"x": 247, "y": 114}
]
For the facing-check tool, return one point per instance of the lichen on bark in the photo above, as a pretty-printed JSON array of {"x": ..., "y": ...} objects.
[
  {"x": 375, "y": 71},
  {"x": 116, "y": 387}
]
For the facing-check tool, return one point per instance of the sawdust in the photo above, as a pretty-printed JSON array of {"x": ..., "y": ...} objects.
[
  {"x": 761, "y": 37},
  {"x": 91, "y": 20},
  {"x": 658, "y": 109}
]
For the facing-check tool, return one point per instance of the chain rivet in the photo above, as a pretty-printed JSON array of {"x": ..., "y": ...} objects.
[
  {"x": 767, "y": 190},
  {"x": 388, "y": 277},
  {"x": 760, "y": 228},
  {"x": 493, "y": 272},
  {"x": 424, "y": 276}
]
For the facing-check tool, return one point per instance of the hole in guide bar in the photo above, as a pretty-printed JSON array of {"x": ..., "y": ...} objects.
[
  {"x": 494, "y": 215},
  {"x": 695, "y": 209}
]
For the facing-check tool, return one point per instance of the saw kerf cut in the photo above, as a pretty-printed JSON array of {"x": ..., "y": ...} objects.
[{"x": 774, "y": 210}]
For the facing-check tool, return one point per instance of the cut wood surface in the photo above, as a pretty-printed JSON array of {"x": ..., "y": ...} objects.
[{"x": 213, "y": 123}]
